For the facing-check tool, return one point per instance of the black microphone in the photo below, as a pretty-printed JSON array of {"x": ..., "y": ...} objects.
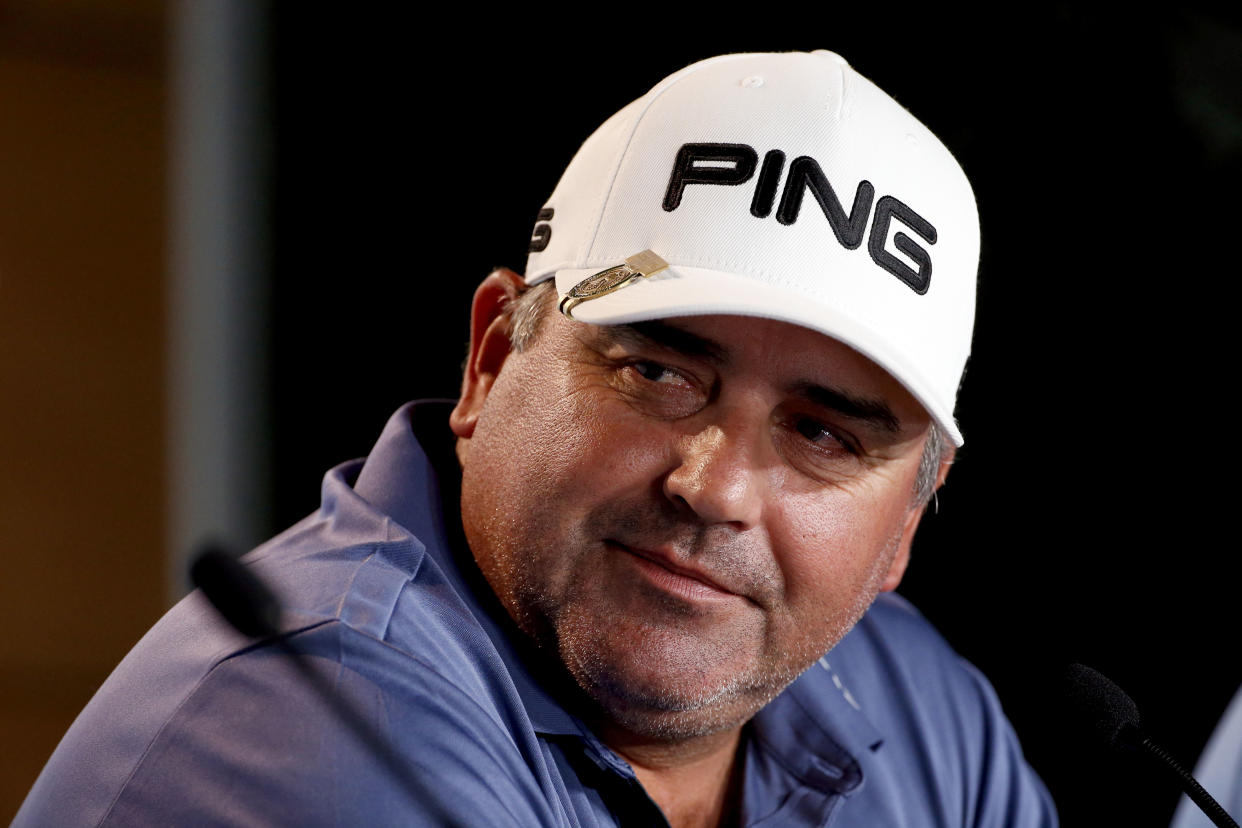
[
  {"x": 1102, "y": 706},
  {"x": 244, "y": 601},
  {"x": 253, "y": 610}
]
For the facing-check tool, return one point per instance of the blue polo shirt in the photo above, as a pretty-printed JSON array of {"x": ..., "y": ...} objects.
[{"x": 202, "y": 726}]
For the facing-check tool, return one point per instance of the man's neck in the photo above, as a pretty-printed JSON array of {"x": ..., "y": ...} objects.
[{"x": 697, "y": 784}]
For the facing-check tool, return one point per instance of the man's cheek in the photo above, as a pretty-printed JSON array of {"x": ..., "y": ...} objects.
[
  {"x": 599, "y": 453},
  {"x": 639, "y": 458}
]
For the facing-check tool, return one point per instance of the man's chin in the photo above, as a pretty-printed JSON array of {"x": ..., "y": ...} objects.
[
  {"x": 667, "y": 706},
  {"x": 666, "y": 717}
]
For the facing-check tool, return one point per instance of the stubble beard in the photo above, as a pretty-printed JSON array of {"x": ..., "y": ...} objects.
[
  {"x": 563, "y": 619},
  {"x": 681, "y": 708},
  {"x": 683, "y": 705},
  {"x": 677, "y": 709},
  {"x": 686, "y": 702}
]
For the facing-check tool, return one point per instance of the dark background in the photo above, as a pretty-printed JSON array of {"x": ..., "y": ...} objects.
[{"x": 1090, "y": 515}]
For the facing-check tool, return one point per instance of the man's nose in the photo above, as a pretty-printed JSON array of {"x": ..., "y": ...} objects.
[{"x": 716, "y": 477}]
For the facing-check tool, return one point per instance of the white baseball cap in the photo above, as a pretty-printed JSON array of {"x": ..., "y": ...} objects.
[{"x": 784, "y": 186}]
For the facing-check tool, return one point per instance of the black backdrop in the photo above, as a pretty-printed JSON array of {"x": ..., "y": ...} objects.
[{"x": 1090, "y": 515}]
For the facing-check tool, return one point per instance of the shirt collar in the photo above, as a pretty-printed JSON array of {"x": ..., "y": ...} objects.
[
  {"x": 816, "y": 733},
  {"x": 412, "y": 475}
]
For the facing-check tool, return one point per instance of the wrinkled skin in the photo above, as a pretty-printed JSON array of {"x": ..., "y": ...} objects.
[{"x": 687, "y": 526}]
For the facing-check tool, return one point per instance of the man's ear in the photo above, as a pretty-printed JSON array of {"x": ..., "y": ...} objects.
[
  {"x": 489, "y": 345},
  {"x": 902, "y": 559}
]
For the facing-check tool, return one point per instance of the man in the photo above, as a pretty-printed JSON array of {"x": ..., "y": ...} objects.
[{"x": 693, "y": 445}]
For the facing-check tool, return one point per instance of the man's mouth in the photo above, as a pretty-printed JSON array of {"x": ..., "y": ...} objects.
[{"x": 663, "y": 569}]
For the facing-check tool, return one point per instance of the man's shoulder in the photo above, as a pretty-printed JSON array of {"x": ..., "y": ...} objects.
[
  {"x": 903, "y": 675},
  {"x": 893, "y": 680},
  {"x": 895, "y": 635},
  {"x": 925, "y": 726},
  {"x": 375, "y": 617}
]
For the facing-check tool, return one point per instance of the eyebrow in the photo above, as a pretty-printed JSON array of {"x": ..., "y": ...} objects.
[
  {"x": 667, "y": 336},
  {"x": 875, "y": 413}
]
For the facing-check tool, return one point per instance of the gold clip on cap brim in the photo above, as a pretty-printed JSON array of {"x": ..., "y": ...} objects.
[{"x": 636, "y": 267}]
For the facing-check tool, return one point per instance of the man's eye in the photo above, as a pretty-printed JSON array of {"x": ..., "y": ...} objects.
[
  {"x": 658, "y": 390},
  {"x": 652, "y": 371},
  {"x": 819, "y": 434}
]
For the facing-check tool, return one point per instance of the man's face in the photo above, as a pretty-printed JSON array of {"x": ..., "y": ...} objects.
[{"x": 690, "y": 511}]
